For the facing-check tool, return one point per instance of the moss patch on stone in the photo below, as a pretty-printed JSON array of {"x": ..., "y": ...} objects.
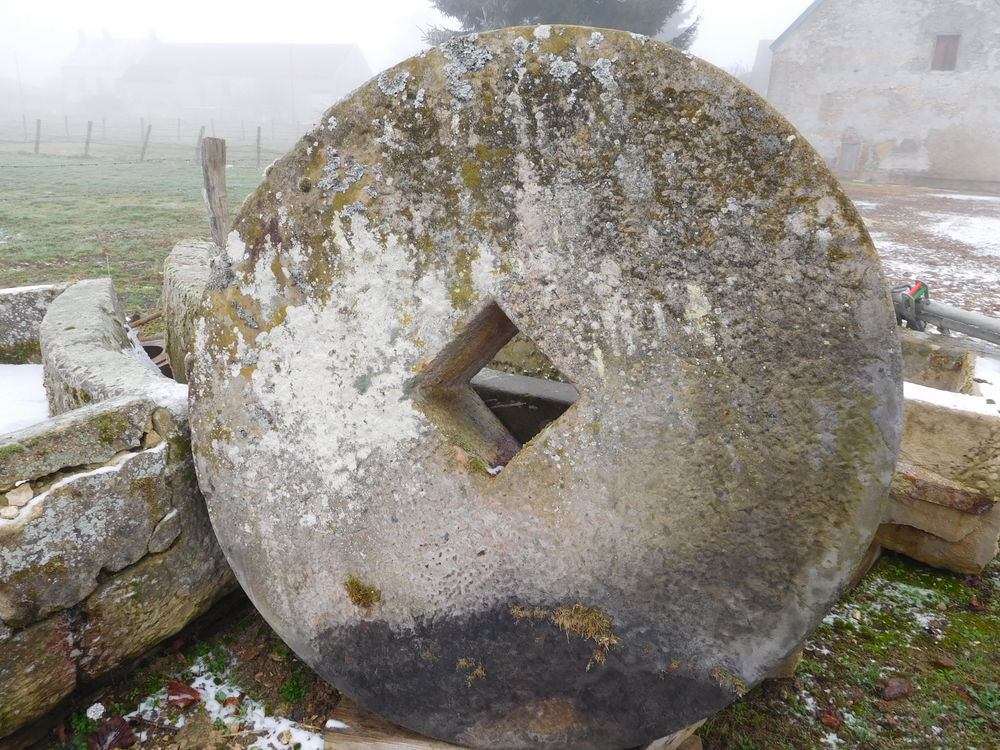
[
  {"x": 110, "y": 427},
  {"x": 12, "y": 449},
  {"x": 362, "y": 594},
  {"x": 20, "y": 353}
]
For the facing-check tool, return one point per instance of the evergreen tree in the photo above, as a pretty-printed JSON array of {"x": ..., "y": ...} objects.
[{"x": 648, "y": 17}]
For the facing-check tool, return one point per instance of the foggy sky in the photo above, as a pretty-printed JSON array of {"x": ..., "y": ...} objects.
[{"x": 35, "y": 36}]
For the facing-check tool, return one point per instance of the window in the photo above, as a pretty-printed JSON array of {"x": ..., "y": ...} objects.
[{"x": 945, "y": 52}]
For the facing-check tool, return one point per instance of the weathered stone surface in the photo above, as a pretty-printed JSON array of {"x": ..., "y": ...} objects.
[
  {"x": 185, "y": 273},
  {"x": 967, "y": 555},
  {"x": 88, "y": 435},
  {"x": 114, "y": 551},
  {"x": 942, "y": 507},
  {"x": 88, "y": 354},
  {"x": 961, "y": 445},
  {"x": 154, "y": 598},
  {"x": 21, "y": 312},
  {"x": 939, "y": 521},
  {"x": 37, "y": 670},
  {"x": 95, "y": 521},
  {"x": 942, "y": 362},
  {"x": 682, "y": 257}
]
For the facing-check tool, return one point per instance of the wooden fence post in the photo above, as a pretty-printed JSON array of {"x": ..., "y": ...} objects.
[
  {"x": 86, "y": 144},
  {"x": 197, "y": 150},
  {"x": 38, "y": 133},
  {"x": 258, "y": 147},
  {"x": 145, "y": 143},
  {"x": 213, "y": 169}
]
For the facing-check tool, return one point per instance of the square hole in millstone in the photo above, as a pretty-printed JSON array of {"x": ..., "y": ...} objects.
[{"x": 491, "y": 390}]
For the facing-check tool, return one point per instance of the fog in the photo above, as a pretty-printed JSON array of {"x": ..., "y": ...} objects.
[
  {"x": 880, "y": 89},
  {"x": 36, "y": 38}
]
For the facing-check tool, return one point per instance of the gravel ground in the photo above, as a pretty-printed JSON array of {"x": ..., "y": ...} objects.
[{"x": 949, "y": 240}]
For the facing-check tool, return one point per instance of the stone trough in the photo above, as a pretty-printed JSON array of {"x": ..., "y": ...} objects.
[
  {"x": 715, "y": 313},
  {"x": 105, "y": 546}
]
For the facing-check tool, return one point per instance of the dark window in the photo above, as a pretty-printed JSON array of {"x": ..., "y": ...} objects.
[{"x": 945, "y": 52}]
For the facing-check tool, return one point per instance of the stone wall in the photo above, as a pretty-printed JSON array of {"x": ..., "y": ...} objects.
[
  {"x": 856, "y": 79},
  {"x": 943, "y": 499},
  {"x": 21, "y": 312},
  {"x": 105, "y": 545}
]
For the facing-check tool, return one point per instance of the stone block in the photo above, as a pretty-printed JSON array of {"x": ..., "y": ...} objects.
[
  {"x": 160, "y": 594},
  {"x": 89, "y": 355},
  {"x": 89, "y": 435},
  {"x": 943, "y": 499},
  {"x": 87, "y": 524},
  {"x": 185, "y": 274},
  {"x": 37, "y": 670},
  {"x": 21, "y": 312}
]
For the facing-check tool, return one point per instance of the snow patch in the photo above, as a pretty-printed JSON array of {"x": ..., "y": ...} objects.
[{"x": 24, "y": 401}]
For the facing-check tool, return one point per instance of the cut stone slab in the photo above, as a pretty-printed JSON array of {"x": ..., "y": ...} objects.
[
  {"x": 686, "y": 263},
  {"x": 943, "y": 503},
  {"x": 940, "y": 522},
  {"x": 21, "y": 312},
  {"x": 92, "y": 521},
  {"x": 89, "y": 355},
  {"x": 185, "y": 273},
  {"x": 88, "y": 435}
]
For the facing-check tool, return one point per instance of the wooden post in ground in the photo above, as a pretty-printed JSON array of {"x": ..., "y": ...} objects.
[
  {"x": 197, "y": 149},
  {"x": 38, "y": 133},
  {"x": 86, "y": 143},
  {"x": 145, "y": 143},
  {"x": 258, "y": 147},
  {"x": 213, "y": 169}
]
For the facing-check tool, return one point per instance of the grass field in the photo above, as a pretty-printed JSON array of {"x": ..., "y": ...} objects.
[{"x": 66, "y": 219}]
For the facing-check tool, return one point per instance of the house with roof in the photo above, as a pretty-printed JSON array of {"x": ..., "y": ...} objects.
[
  {"x": 92, "y": 73},
  {"x": 896, "y": 90},
  {"x": 278, "y": 83}
]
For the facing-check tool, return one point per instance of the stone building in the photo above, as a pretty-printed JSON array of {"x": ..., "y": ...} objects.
[{"x": 900, "y": 90}]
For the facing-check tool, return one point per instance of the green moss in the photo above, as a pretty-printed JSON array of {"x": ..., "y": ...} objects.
[
  {"x": 110, "y": 427},
  {"x": 362, "y": 594},
  {"x": 20, "y": 353},
  {"x": 12, "y": 449},
  {"x": 179, "y": 448}
]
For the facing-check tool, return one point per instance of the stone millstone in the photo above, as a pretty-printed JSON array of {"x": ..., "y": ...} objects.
[{"x": 681, "y": 256}]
